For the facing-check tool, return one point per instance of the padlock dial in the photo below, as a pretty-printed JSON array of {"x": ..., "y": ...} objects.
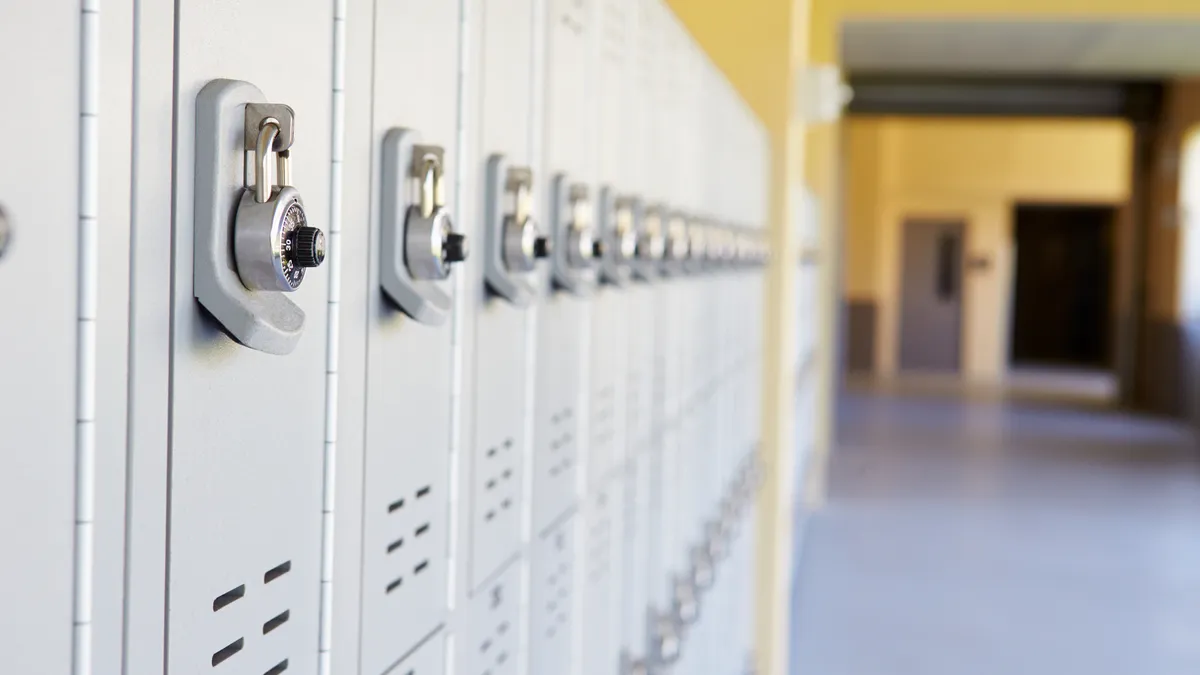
[
  {"x": 521, "y": 244},
  {"x": 431, "y": 245},
  {"x": 273, "y": 243}
]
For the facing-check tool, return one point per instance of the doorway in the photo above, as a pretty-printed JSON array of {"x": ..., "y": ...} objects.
[
  {"x": 931, "y": 296},
  {"x": 1063, "y": 287}
]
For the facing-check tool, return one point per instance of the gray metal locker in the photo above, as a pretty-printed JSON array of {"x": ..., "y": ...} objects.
[
  {"x": 552, "y": 608},
  {"x": 498, "y": 288},
  {"x": 491, "y": 639},
  {"x": 247, "y": 427},
  {"x": 407, "y": 349},
  {"x": 40, "y": 239}
]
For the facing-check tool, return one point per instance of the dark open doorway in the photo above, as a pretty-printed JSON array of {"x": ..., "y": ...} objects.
[{"x": 1063, "y": 287}]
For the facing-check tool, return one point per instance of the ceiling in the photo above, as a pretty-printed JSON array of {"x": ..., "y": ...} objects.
[{"x": 1043, "y": 48}]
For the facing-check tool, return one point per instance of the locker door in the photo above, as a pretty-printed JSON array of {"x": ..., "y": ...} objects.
[
  {"x": 563, "y": 313},
  {"x": 552, "y": 601},
  {"x": 38, "y": 138},
  {"x": 247, "y": 427},
  {"x": 500, "y": 124},
  {"x": 492, "y": 639},
  {"x": 406, "y": 462},
  {"x": 601, "y": 579}
]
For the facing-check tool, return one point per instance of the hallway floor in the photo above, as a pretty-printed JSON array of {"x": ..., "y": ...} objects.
[{"x": 992, "y": 538}]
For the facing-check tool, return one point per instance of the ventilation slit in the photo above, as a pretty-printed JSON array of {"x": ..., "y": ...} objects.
[
  {"x": 279, "y": 668},
  {"x": 395, "y": 584},
  {"x": 278, "y": 621},
  {"x": 228, "y": 651},
  {"x": 226, "y": 598},
  {"x": 277, "y": 571},
  {"x": 487, "y": 644},
  {"x": 421, "y": 567},
  {"x": 396, "y": 505},
  {"x": 422, "y": 529},
  {"x": 423, "y": 491},
  {"x": 395, "y": 545}
]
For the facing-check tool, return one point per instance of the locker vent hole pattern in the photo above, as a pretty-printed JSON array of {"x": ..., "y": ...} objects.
[
  {"x": 558, "y": 591},
  {"x": 599, "y": 536},
  {"x": 419, "y": 535},
  {"x": 233, "y": 595},
  {"x": 500, "y": 483},
  {"x": 602, "y": 416},
  {"x": 562, "y": 443},
  {"x": 494, "y": 650}
]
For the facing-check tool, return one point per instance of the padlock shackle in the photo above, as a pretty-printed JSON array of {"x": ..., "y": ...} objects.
[{"x": 268, "y": 131}]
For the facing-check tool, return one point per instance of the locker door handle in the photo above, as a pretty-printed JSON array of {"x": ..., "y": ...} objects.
[{"x": 258, "y": 318}]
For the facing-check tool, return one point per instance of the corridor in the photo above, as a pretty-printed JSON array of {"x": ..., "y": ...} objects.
[{"x": 990, "y": 538}]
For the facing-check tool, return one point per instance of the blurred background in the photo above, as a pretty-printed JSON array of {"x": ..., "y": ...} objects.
[{"x": 1006, "y": 194}]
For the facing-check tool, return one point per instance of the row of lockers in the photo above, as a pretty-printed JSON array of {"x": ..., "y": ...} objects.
[{"x": 364, "y": 337}]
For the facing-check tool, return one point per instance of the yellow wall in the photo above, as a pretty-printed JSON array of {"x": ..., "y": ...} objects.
[{"x": 973, "y": 169}]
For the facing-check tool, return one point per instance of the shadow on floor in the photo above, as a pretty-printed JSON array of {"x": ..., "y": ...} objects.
[{"x": 984, "y": 537}]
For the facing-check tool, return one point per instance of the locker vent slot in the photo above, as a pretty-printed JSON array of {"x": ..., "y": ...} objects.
[
  {"x": 395, "y": 584},
  {"x": 421, "y": 567},
  {"x": 228, "y": 651},
  {"x": 497, "y": 480},
  {"x": 277, "y": 571},
  {"x": 277, "y": 621},
  {"x": 279, "y": 668},
  {"x": 395, "y": 545},
  {"x": 421, "y": 530},
  {"x": 228, "y": 597},
  {"x": 396, "y": 505},
  {"x": 423, "y": 491}
]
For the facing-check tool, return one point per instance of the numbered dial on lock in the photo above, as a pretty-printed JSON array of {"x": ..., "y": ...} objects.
[
  {"x": 273, "y": 243},
  {"x": 582, "y": 245}
]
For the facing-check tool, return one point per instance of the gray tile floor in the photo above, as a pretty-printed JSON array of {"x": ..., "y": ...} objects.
[{"x": 990, "y": 538}]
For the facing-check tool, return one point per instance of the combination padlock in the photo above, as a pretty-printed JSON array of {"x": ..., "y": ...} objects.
[
  {"x": 523, "y": 243},
  {"x": 582, "y": 246},
  {"x": 273, "y": 244},
  {"x": 686, "y": 600},
  {"x": 677, "y": 242},
  {"x": 431, "y": 246},
  {"x": 651, "y": 243},
  {"x": 624, "y": 231}
]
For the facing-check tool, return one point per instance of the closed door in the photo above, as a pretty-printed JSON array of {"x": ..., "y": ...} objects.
[{"x": 931, "y": 300}]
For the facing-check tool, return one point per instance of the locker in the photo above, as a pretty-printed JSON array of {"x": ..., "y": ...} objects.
[
  {"x": 552, "y": 595},
  {"x": 601, "y": 579},
  {"x": 39, "y": 229},
  {"x": 492, "y": 636},
  {"x": 246, "y": 462},
  {"x": 409, "y": 336},
  {"x": 563, "y": 314},
  {"x": 499, "y": 115}
]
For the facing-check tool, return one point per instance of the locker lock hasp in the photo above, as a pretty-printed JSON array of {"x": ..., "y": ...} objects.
[
  {"x": 273, "y": 243},
  {"x": 577, "y": 248},
  {"x": 431, "y": 245}
]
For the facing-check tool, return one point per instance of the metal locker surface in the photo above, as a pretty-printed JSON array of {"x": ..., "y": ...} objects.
[
  {"x": 600, "y": 578},
  {"x": 40, "y": 138},
  {"x": 606, "y": 423},
  {"x": 428, "y": 659},
  {"x": 552, "y": 601},
  {"x": 406, "y": 462},
  {"x": 491, "y": 640},
  {"x": 500, "y": 122},
  {"x": 247, "y": 428},
  {"x": 562, "y": 318}
]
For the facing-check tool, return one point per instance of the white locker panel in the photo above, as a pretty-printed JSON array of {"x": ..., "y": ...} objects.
[
  {"x": 552, "y": 579},
  {"x": 247, "y": 428},
  {"x": 408, "y": 397},
  {"x": 606, "y": 424},
  {"x": 39, "y": 137},
  {"x": 492, "y": 637},
  {"x": 428, "y": 659},
  {"x": 499, "y": 111}
]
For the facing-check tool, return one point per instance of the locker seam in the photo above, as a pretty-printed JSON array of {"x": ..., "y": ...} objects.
[
  {"x": 372, "y": 233},
  {"x": 171, "y": 331}
]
